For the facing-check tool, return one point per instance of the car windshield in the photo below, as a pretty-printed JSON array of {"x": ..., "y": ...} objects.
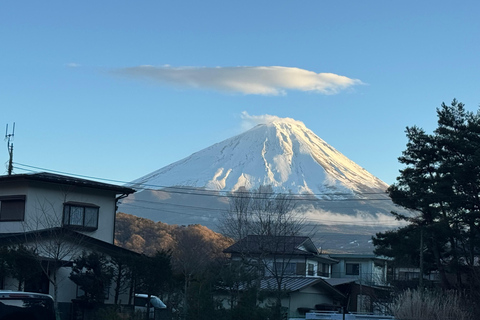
[
  {"x": 157, "y": 303},
  {"x": 27, "y": 308}
]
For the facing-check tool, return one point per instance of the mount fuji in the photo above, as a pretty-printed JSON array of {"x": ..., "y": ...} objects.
[{"x": 343, "y": 202}]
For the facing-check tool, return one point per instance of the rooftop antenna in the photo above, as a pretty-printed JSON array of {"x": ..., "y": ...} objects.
[{"x": 9, "y": 139}]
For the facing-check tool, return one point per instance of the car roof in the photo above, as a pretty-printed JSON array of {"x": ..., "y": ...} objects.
[{"x": 21, "y": 294}]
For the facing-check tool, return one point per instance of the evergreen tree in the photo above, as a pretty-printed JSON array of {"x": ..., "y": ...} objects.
[
  {"x": 92, "y": 273},
  {"x": 23, "y": 266},
  {"x": 440, "y": 183}
]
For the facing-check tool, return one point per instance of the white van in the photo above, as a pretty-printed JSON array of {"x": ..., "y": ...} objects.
[
  {"x": 141, "y": 303},
  {"x": 26, "y": 306}
]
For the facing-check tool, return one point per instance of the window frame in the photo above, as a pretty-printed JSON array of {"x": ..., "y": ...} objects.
[
  {"x": 351, "y": 270},
  {"x": 286, "y": 268},
  {"x": 310, "y": 269},
  {"x": 13, "y": 198},
  {"x": 81, "y": 211},
  {"x": 323, "y": 270}
]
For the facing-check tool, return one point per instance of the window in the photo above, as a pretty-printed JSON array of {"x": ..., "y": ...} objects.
[
  {"x": 290, "y": 268},
  {"x": 310, "y": 269},
  {"x": 352, "y": 269},
  {"x": 301, "y": 268},
  {"x": 140, "y": 301},
  {"x": 80, "y": 216},
  {"x": 325, "y": 270},
  {"x": 285, "y": 268},
  {"x": 12, "y": 208}
]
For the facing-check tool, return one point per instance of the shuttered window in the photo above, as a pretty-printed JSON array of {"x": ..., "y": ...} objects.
[
  {"x": 301, "y": 269},
  {"x": 12, "y": 208}
]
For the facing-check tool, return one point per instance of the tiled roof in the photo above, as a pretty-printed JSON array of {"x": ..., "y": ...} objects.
[
  {"x": 288, "y": 284},
  {"x": 269, "y": 244},
  {"x": 338, "y": 281},
  {"x": 291, "y": 284}
]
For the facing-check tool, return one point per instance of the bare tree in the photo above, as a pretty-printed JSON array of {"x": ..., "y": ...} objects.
[
  {"x": 54, "y": 245},
  {"x": 267, "y": 228},
  {"x": 261, "y": 212}
]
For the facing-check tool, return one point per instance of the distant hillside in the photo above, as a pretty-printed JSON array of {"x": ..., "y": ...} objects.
[{"x": 146, "y": 236}]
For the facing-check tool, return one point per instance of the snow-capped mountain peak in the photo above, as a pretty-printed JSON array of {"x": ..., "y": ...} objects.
[{"x": 283, "y": 153}]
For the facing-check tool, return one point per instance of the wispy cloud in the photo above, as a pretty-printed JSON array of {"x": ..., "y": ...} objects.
[
  {"x": 361, "y": 218},
  {"x": 246, "y": 80},
  {"x": 250, "y": 121},
  {"x": 73, "y": 65}
]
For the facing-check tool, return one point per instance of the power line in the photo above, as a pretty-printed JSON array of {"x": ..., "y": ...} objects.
[
  {"x": 202, "y": 193},
  {"x": 65, "y": 173},
  {"x": 339, "y": 222},
  {"x": 217, "y": 193}
]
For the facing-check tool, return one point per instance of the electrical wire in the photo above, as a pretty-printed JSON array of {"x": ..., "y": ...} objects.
[
  {"x": 216, "y": 193},
  {"x": 330, "y": 222},
  {"x": 202, "y": 193}
]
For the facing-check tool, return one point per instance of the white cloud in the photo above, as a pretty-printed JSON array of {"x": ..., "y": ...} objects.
[
  {"x": 364, "y": 219},
  {"x": 250, "y": 121},
  {"x": 73, "y": 65},
  {"x": 245, "y": 80}
]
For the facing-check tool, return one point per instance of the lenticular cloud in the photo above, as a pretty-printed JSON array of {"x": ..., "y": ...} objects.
[{"x": 245, "y": 80}]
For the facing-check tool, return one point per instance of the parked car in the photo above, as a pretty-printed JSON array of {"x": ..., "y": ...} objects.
[
  {"x": 141, "y": 303},
  {"x": 17, "y": 305}
]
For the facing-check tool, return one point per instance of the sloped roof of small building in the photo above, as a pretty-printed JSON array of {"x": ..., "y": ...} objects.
[
  {"x": 292, "y": 284},
  {"x": 273, "y": 244},
  {"x": 286, "y": 245},
  {"x": 65, "y": 233},
  {"x": 339, "y": 281},
  {"x": 65, "y": 180}
]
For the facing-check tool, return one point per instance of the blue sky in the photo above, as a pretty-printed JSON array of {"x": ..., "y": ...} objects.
[{"x": 117, "y": 89}]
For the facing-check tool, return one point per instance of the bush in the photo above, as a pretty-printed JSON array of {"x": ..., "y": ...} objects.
[
  {"x": 430, "y": 305},
  {"x": 114, "y": 313}
]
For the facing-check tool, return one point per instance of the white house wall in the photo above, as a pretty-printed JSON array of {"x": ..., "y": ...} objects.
[
  {"x": 67, "y": 289},
  {"x": 369, "y": 273},
  {"x": 44, "y": 207}
]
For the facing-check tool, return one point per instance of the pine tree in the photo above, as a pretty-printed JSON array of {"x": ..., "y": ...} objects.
[{"x": 440, "y": 183}]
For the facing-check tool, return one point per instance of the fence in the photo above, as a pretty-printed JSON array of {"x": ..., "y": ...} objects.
[{"x": 347, "y": 316}]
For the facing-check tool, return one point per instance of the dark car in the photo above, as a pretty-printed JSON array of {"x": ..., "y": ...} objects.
[{"x": 16, "y": 305}]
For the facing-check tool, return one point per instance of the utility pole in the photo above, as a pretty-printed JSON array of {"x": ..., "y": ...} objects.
[
  {"x": 420, "y": 280},
  {"x": 9, "y": 139}
]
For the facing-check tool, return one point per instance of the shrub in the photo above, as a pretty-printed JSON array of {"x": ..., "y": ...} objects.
[{"x": 430, "y": 305}]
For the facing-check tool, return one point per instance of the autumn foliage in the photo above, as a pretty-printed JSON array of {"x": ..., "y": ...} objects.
[{"x": 146, "y": 236}]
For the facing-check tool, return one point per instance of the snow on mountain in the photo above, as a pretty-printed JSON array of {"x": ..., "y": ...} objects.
[
  {"x": 344, "y": 202},
  {"x": 284, "y": 154}
]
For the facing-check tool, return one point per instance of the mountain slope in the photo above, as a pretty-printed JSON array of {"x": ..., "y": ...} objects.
[
  {"x": 284, "y": 154},
  {"x": 344, "y": 204}
]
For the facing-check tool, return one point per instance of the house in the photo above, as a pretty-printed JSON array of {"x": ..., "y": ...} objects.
[
  {"x": 363, "y": 278},
  {"x": 60, "y": 216},
  {"x": 367, "y": 268},
  {"x": 293, "y": 265}
]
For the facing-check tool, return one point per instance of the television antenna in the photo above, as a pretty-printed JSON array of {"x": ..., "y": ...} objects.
[{"x": 9, "y": 139}]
